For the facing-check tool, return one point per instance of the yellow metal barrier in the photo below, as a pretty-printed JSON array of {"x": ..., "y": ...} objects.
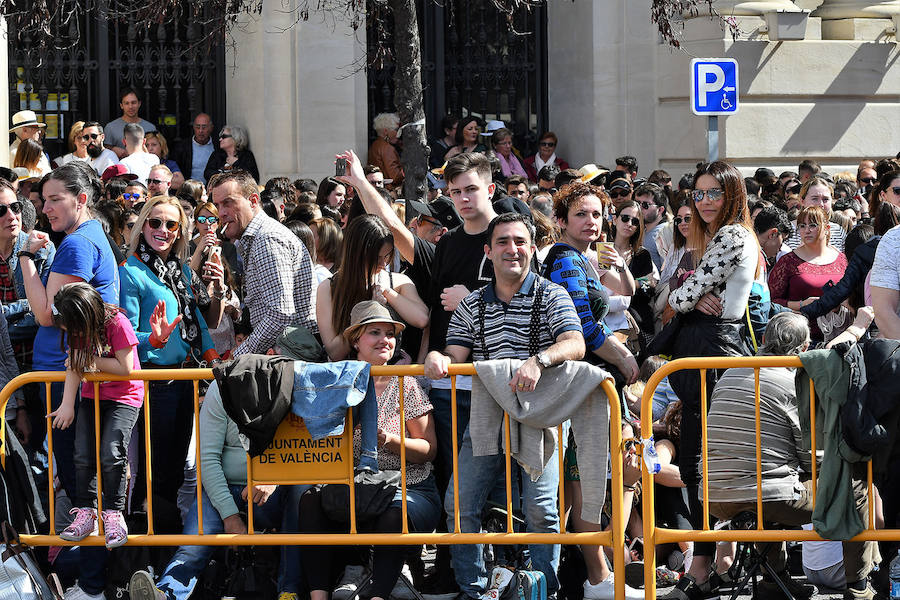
[
  {"x": 614, "y": 538},
  {"x": 654, "y": 535}
]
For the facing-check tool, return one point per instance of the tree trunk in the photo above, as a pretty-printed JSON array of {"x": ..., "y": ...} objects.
[{"x": 409, "y": 99}]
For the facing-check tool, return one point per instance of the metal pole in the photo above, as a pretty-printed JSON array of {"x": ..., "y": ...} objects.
[{"x": 712, "y": 137}]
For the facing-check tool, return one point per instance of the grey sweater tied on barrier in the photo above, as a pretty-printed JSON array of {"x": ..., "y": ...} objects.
[{"x": 570, "y": 391}]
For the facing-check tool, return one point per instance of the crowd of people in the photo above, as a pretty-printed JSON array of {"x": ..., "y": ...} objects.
[{"x": 123, "y": 255}]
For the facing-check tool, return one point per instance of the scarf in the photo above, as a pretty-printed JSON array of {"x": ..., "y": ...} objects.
[
  {"x": 511, "y": 166},
  {"x": 539, "y": 162},
  {"x": 170, "y": 273}
]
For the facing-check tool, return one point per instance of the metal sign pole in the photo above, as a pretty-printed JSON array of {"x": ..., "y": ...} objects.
[{"x": 712, "y": 138}]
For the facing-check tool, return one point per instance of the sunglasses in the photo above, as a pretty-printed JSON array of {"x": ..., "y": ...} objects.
[
  {"x": 15, "y": 207},
  {"x": 794, "y": 189},
  {"x": 210, "y": 220},
  {"x": 680, "y": 220},
  {"x": 223, "y": 136},
  {"x": 131, "y": 196},
  {"x": 896, "y": 190},
  {"x": 646, "y": 204},
  {"x": 151, "y": 181},
  {"x": 157, "y": 224},
  {"x": 869, "y": 180},
  {"x": 90, "y": 136},
  {"x": 548, "y": 144},
  {"x": 629, "y": 220},
  {"x": 620, "y": 193},
  {"x": 713, "y": 195}
]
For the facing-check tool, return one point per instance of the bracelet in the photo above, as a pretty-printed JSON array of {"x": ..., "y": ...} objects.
[
  {"x": 25, "y": 254},
  {"x": 629, "y": 488}
]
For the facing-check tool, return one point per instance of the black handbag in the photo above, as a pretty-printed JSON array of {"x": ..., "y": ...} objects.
[{"x": 374, "y": 493}]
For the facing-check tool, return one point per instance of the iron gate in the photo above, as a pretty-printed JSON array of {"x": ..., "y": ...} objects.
[
  {"x": 473, "y": 62},
  {"x": 174, "y": 70}
]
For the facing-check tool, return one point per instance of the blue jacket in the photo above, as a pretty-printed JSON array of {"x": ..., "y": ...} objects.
[
  {"x": 324, "y": 391},
  {"x": 19, "y": 318}
]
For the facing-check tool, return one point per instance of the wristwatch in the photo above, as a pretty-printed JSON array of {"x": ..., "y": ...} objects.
[{"x": 543, "y": 359}]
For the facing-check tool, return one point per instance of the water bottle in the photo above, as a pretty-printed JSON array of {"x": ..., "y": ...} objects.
[
  {"x": 895, "y": 576},
  {"x": 651, "y": 461}
]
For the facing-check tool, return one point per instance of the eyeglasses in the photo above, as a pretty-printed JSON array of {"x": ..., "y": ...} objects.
[
  {"x": 629, "y": 220},
  {"x": 157, "y": 223},
  {"x": 15, "y": 207},
  {"x": 223, "y": 136},
  {"x": 429, "y": 221},
  {"x": 210, "y": 220},
  {"x": 151, "y": 181},
  {"x": 868, "y": 180},
  {"x": 132, "y": 196},
  {"x": 714, "y": 195},
  {"x": 90, "y": 136},
  {"x": 506, "y": 143},
  {"x": 680, "y": 220},
  {"x": 548, "y": 144},
  {"x": 619, "y": 193},
  {"x": 201, "y": 126}
]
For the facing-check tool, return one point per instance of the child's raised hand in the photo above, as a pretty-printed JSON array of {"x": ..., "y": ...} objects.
[{"x": 62, "y": 416}]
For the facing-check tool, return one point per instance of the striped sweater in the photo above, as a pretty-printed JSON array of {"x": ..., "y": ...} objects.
[{"x": 732, "y": 443}]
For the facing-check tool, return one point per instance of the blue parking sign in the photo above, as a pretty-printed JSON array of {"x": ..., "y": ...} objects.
[{"x": 714, "y": 86}]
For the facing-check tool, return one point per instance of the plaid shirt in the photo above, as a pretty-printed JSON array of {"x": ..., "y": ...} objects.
[
  {"x": 278, "y": 283},
  {"x": 7, "y": 285}
]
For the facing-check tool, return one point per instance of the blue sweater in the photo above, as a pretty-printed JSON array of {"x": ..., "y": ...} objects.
[{"x": 141, "y": 290}]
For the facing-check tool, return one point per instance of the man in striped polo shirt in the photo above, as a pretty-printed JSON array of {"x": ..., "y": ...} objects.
[
  {"x": 518, "y": 315},
  {"x": 787, "y": 497}
]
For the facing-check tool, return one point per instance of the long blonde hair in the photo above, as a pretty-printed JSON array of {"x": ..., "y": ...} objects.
[{"x": 180, "y": 247}]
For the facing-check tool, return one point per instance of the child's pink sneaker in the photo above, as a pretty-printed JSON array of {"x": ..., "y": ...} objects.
[
  {"x": 84, "y": 524},
  {"x": 115, "y": 528}
]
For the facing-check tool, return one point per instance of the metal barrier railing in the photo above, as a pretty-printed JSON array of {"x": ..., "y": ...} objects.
[
  {"x": 653, "y": 535},
  {"x": 615, "y": 537}
]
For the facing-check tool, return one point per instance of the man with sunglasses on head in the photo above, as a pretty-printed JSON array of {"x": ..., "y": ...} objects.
[{"x": 652, "y": 199}]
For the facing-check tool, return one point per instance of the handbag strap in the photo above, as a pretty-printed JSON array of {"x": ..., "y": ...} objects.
[{"x": 750, "y": 327}]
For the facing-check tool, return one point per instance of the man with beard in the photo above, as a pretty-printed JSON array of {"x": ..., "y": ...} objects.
[{"x": 89, "y": 148}]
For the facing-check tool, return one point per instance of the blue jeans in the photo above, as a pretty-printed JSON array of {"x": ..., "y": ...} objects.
[
  {"x": 443, "y": 460},
  {"x": 280, "y": 512},
  {"x": 478, "y": 476}
]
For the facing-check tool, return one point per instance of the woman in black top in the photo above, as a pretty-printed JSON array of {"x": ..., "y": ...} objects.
[
  {"x": 628, "y": 229},
  {"x": 233, "y": 153}
]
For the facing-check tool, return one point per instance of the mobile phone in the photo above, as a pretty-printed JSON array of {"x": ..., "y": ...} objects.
[
  {"x": 340, "y": 166},
  {"x": 216, "y": 251}
]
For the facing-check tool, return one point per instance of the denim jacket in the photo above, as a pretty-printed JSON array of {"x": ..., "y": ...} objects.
[
  {"x": 19, "y": 318},
  {"x": 324, "y": 391}
]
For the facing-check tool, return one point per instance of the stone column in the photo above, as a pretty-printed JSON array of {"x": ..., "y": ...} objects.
[
  {"x": 857, "y": 9},
  {"x": 743, "y": 8}
]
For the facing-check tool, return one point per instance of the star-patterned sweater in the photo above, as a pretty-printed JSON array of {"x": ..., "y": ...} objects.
[{"x": 727, "y": 269}]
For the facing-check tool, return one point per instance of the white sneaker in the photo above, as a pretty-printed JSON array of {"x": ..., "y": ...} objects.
[
  {"x": 76, "y": 593},
  {"x": 354, "y": 576},
  {"x": 402, "y": 589},
  {"x": 606, "y": 590},
  {"x": 142, "y": 587}
]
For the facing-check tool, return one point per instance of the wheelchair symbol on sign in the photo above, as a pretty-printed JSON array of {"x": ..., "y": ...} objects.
[{"x": 726, "y": 103}]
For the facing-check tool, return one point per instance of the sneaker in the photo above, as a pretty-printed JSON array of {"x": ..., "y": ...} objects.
[
  {"x": 865, "y": 594},
  {"x": 687, "y": 588},
  {"x": 666, "y": 577},
  {"x": 76, "y": 593},
  {"x": 83, "y": 525},
  {"x": 799, "y": 591},
  {"x": 403, "y": 589},
  {"x": 634, "y": 574},
  {"x": 606, "y": 590},
  {"x": 353, "y": 578},
  {"x": 142, "y": 587},
  {"x": 288, "y": 596},
  {"x": 115, "y": 528}
]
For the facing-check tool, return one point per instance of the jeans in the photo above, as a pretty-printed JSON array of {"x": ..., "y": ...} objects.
[
  {"x": 322, "y": 394},
  {"x": 443, "y": 460},
  {"x": 478, "y": 476},
  {"x": 116, "y": 421},
  {"x": 171, "y": 419},
  {"x": 280, "y": 512}
]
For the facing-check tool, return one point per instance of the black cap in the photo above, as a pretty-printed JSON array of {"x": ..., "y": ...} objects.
[
  {"x": 762, "y": 173},
  {"x": 508, "y": 204},
  {"x": 441, "y": 209}
]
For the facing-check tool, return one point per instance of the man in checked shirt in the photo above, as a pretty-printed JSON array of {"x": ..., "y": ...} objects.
[{"x": 278, "y": 271}]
